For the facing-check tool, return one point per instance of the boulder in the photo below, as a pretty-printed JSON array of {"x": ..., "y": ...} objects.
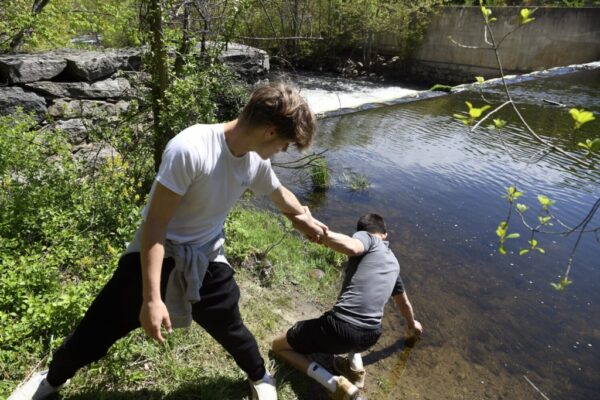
[
  {"x": 249, "y": 62},
  {"x": 65, "y": 108},
  {"x": 93, "y": 65},
  {"x": 90, "y": 66},
  {"x": 106, "y": 89},
  {"x": 13, "y": 97},
  {"x": 22, "y": 68},
  {"x": 94, "y": 154},
  {"x": 75, "y": 128}
]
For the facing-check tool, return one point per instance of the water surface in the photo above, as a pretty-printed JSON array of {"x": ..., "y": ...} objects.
[{"x": 492, "y": 323}]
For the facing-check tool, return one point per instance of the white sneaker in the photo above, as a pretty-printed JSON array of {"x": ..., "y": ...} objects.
[
  {"x": 36, "y": 388},
  {"x": 263, "y": 389}
]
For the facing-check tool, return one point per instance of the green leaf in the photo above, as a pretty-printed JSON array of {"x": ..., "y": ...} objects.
[
  {"x": 499, "y": 123},
  {"x": 533, "y": 243},
  {"x": 501, "y": 230},
  {"x": 562, "y": 284},
  {"x": 522, "y": 208},
  {"x": 502, "y": 250},
  {"x": 525, "y": 15},
  {"x": 545, "y": 202},
  {"x": 486, "y": 12},
  {"x": 512, "y": 193},
  {"x": 581, "y": 116},
  {"x": 544, "y": 220},
  {"x": 479, "y": 79},
  {"x": 524, "y": 251},
  {"x": 513, "y": 236},
  {"x": 541, "y": 250},
  {"x": 475, "y": 112}
]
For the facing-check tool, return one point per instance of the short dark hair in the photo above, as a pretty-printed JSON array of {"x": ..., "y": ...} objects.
[
  {"x": 372, "y": 223},
  {"x": 280, "y": 105}
]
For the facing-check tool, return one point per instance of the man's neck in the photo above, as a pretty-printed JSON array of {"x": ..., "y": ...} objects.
[{"x": 238, "y": 140}]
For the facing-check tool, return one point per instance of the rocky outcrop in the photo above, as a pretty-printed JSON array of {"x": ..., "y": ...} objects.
[
  {"x": 118, "y": 88},
  {"x": 20, "y": 68},
  {"x": 249, "y": 62},
  {"x": 12, "y": 98},
  {"x": 77, "y": 91}
]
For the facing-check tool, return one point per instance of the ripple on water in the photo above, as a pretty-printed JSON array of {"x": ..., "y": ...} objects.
[{"x": 488, "y": 318}]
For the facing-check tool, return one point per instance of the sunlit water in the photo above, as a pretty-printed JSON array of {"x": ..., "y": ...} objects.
[{"x": 491, "y": 321}]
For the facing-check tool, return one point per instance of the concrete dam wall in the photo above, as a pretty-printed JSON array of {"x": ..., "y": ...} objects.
[{"x": 557, "y": 37}]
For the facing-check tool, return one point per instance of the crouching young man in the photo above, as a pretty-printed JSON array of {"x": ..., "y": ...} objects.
[
  {"x": 175, "y": 270},
  {"x": 353, "y": 325}
]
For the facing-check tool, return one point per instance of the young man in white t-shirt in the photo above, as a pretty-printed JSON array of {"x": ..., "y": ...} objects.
[{"x": 175, "y": 269}]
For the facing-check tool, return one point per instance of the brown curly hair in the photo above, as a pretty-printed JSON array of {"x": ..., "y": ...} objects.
[{"x": 279, "y": 104}]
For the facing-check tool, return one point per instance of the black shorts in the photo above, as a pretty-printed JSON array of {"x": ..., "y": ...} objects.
[{"x": 330, "y": 335}]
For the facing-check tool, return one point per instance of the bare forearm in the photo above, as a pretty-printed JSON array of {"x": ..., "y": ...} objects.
[
  {"x": 342, "y": 243},
  {"x": 406, "y": 309},
  {"x": 152, "y": 254},
  {"x": 287, "y": 202}
]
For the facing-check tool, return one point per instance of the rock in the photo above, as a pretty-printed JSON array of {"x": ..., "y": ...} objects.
[
  {"x": 91, "y": 65},
  {"x": 76, "y": 128},
  {"x": 65, "y": 108},
  {"x": 316, "y": 274},
  {"x": 94, "y": 65},
  {"x": 249, "y": 62},
  {"x": 106, "y": 89},
  {"x": 94, "y": 153},
  {"x": 22, "y": 68},
  {"x": 13, "y": 97}
]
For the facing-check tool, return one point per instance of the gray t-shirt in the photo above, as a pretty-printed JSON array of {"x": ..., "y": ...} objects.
[{"x": 369, "y": 281}]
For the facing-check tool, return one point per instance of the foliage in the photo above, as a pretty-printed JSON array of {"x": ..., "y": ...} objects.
[
  {"x": 355, "y": 182},
  {"x": 60, "y": 229},
  {"x": 206, "y": 92},
  {"x": 319, "y": 173},
  {"x": 115, "y": 22},
  {"x": 335, "y": 28},
  {"x": 545, "y": 218}
]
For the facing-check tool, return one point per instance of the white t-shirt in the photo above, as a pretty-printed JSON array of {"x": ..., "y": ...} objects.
[{"x": 198, "y": 165}]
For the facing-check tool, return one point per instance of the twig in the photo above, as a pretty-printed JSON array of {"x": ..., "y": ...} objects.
[
  {"x": 535, "y": 387},
  {"x": 488, "y": 115}
]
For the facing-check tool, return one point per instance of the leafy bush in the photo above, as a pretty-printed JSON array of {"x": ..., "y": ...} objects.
[
  {"x": 205, "y": 93},
  {"x": 61, "y": 231}
]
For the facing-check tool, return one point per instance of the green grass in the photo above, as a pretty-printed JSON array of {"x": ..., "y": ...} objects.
[
  {"x": 192, "y": 364},
  {"x": 355, "y": 182},
  {"x": 319, "y": 173}
]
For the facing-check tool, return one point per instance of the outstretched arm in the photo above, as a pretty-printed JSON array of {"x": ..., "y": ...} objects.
[
  {"x": 343, "y": 243},
  {"x": 414, "y": 327},
  {"x": 153, "y": 312},
  {"x": 299, "y": 215}
]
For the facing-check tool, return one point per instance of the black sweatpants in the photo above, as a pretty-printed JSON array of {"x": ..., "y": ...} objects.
[{"x": 115, "y": 313}]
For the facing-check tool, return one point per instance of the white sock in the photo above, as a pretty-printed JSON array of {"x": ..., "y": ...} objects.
[
  {"x": 356, "y": 362},
  {"x": 265, "y": 376},
  {"x": 321, "y": 375}
]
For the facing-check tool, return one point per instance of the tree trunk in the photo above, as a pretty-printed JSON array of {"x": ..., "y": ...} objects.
[{"x": 160, "y": 80}]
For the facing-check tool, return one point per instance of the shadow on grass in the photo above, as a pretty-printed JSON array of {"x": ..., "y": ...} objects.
[{"x": 216, "y": 388}]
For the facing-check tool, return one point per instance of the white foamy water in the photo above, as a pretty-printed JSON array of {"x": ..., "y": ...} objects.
[{"x": 331, "y": 95}]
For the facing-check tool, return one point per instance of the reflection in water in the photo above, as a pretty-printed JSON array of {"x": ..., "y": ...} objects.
[{"x": 489, "y": 320}]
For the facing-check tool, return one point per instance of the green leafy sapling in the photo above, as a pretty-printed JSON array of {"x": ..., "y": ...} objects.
[{"x": 526, "y": 16}]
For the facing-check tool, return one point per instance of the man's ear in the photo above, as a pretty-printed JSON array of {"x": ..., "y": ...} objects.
[{"x": 270, "y": 132}]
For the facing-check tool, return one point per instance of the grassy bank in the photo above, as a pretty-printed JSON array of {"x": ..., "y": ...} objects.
[
  {"x": 275, "y": 270},
  {"x": 62, "y": 229}
]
